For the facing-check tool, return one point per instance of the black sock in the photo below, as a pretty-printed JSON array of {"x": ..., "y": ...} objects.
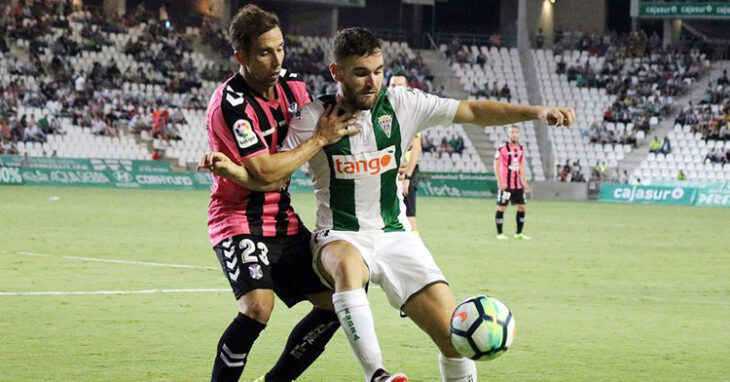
[
  {"x": 499, "y": 219},
  {"x": 233, "y": 348},
  {"x": 520, "y": 220},
  {"x": 306, "y": 342}
]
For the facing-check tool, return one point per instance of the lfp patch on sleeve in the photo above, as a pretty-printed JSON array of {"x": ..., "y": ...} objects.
[{"x": 245, "y": 136}]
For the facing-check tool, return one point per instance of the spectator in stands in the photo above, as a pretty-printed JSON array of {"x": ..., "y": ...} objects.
[
  {"x": 8, "y": 147},
  {"x": 559, "y": 173},
  {"x": 505, "y": 92},
  {"x": 600, "y": 172},
  {"x": 717, "y": 155},
  {"x": 539, "y": 39},
  {"x": 624, "y": 178},
  {"x": 565, "y": 172},
  {"x": 495, "y": 90},
  {"x": 456, "y": 144},
  {"x": 157, "y": 155},
  {"x": 577, "y": 177},
  {"x": 35, "y": 133},
  {"x": 5, "y": 130},
  {"x": 171, "y": 132},
  {"x": 655, "y": 146},
  {"x": 441, "y": 91},
  {"x": 666, "y": 146},
  {"x": 681, "y": 175},
  {"x": 444, "y": 146},
  {"x": 427, "y": 145}
]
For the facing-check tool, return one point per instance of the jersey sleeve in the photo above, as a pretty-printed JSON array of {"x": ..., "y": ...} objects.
[
  {"x": 522, "y": 157},
  {"x": 303, "y": 126},
  {"x": 499, "y": 155},
  {"x": 242, "y": 126},
  {"x": 419, "y": 111}
]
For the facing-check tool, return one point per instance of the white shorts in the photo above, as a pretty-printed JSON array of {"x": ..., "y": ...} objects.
[{"x": 399, "y": 262}]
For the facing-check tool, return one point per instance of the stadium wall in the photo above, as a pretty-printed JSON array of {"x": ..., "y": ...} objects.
[
  {"x": 559, "y": 191},
  {"x": 566, "y": 15}
]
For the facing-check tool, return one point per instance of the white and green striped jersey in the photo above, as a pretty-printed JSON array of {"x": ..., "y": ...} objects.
[{"x": 356, "y": 179}]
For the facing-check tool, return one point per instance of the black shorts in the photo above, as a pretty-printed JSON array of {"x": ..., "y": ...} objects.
[
  {"x": 410, "y": 199},
  {"x": 516, "y": 196},
  {"x": 283, "y": 264}
]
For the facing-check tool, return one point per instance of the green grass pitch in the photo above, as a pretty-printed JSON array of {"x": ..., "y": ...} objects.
[{"x": 603, "y": 292}]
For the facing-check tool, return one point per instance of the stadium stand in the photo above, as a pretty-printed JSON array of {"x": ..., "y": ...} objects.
[
  {"x": 492, "y": 72},
  {"x": 700, "y": 141},
  {"x": 448, "y": 149},
  {"x": 77, "y": 85},
  {"x": 620, "y": 85}
]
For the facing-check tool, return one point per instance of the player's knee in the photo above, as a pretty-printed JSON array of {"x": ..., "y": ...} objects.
[
  {"x": 258, "y": 309},
  {"x": 350, "y": 269},
  {"x": 346, "y": 268},
  {"x": 521, "y": 208}
]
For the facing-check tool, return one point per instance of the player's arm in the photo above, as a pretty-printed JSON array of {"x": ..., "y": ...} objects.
[
  {"x": 523, "y": 177},
  {"x": 410, "y": 165},
  {"x": 331, "y": 127},
  {"x": 219, "y": 164},
  {"x": 416, "y": 149},
  {"x": 493, "y": 113},
  {"x": 498, "y": 173}
]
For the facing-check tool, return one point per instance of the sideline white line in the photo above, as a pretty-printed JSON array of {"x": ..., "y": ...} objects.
[
  {"x": 143, "y": 291},
  {"x": 81, "y": 258}
]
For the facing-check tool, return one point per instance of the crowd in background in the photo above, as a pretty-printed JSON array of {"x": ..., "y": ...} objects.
[
  {"x": 45, "y": 76},
  {"x": 636, "y": 68},
  {"x": 312, "y": 62},
  {"x": 711, "y": 118},
  {"x": 455, "y": 144}
]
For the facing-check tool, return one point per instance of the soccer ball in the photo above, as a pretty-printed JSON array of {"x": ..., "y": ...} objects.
[{"x": 482, "y": 328}]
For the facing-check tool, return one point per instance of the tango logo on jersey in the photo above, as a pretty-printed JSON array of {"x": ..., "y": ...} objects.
[
  {"x": 244, "y": 133},
  {"x": 363, "y": 165}
]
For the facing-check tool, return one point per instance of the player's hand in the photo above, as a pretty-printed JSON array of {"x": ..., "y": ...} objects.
[
  {"x": 402, "y": 169},
  {"x": 501, "y": 186},
  {"x": 557, "y": 116},
  {"x": 528, "y": 189},
  {"x": 333, "y": 125},
  {"x": 406, "y": 183},
  {"x": 219, "y": 164}
]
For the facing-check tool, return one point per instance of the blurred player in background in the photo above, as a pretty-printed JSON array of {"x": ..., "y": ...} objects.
[
  {"x": 362, "y": 233},
  {"x": 260, "y": 242},
  {"x": 409, "y": 176},
  {"x": 509, "y": 169}
]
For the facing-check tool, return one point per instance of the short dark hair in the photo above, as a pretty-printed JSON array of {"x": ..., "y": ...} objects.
[
  {"x": 400, "y": 73},
  {"x": 248, "y": 24},
  {"x": 355, "y": 42}
]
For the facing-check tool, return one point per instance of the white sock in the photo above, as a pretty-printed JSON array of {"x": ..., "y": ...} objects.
[
  {"x": 353, "y": 311},
  {"x": 457, "y": 369}
]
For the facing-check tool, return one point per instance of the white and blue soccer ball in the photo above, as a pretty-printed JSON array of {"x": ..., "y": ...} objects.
[{"x": 482, "y": 328}]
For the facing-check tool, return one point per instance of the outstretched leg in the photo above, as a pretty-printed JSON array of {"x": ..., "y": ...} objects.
[{"x": 431, "y": 310}]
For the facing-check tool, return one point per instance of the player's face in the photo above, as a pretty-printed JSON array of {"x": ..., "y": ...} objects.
[
  {"x": 262, "y": 63},
  {"x": 514, "y": 135},
  {"x": 360, "y": 79},
  {"x": 396, "y": 81}
]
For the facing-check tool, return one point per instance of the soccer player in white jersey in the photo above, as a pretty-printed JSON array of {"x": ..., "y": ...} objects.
[{"x": 362, "y": 231}]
